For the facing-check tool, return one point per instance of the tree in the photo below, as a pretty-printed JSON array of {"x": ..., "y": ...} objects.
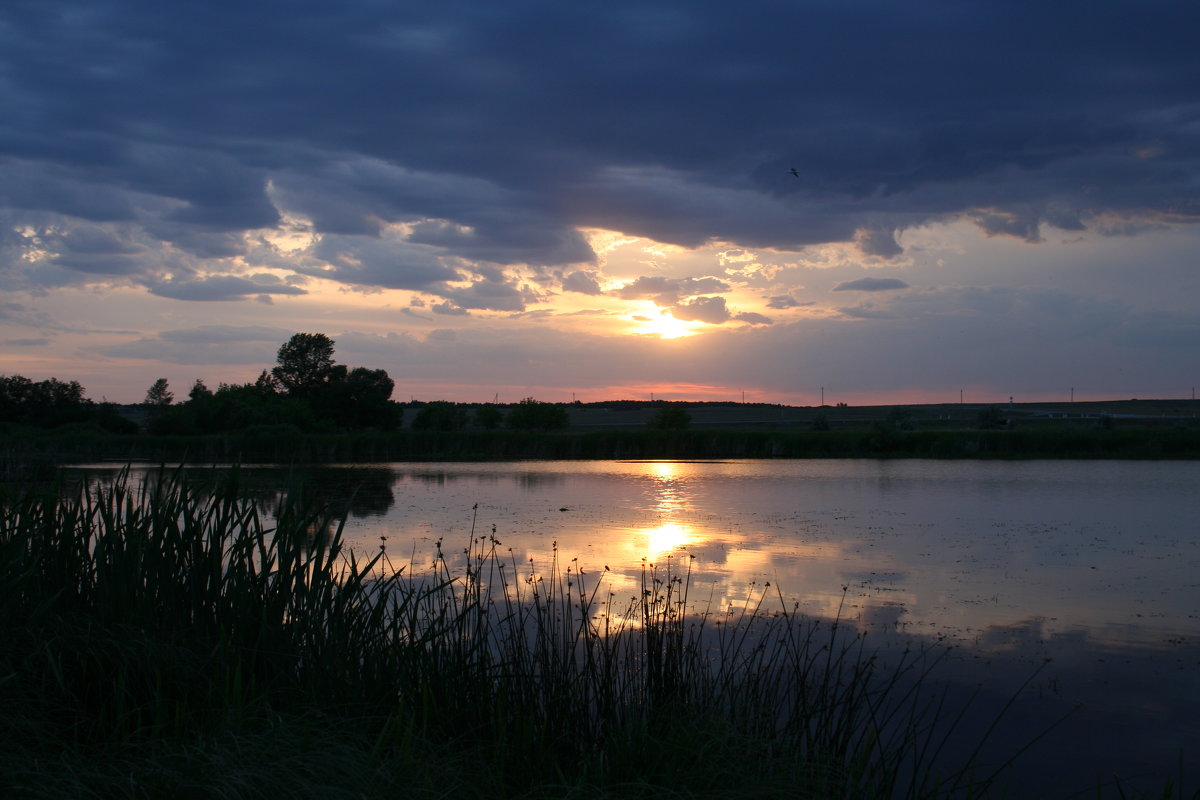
[
  {"x": 159, "y": 394},
  {"x": 530, "y": 414},
  {"x": 266, "y": 384},
  {"x": 305, "y": 364},
  {"x": 199, "y": 391},
  {"x": 15, "y": 391},
  {"x": 44, "y": 404},
  {"x": 360, "y": 398},
  {"x": 53, "y": 402}
]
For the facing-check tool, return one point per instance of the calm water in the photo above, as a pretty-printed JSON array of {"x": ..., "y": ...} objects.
[{"x": 1095, "y": 565}]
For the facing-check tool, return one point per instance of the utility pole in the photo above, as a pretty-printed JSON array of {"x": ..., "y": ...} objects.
[
  {"x": 822, "y": 395},
  {"x": 1072, "y": 394}
]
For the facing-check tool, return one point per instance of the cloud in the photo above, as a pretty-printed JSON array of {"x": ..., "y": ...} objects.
[
  {"x": 496, "y": 155},
  {"x": 226, "y": 334},
  {"x": 582, "y": 282},
  {"x": 222, "y": 288},
  {"x": 495, "y": 291},
  {"x": 209, "y": 344},
  {"x": 868, "y": 311},
  {"x": 22, "y": 316},
  {"x": 702, "y": 309},
  {"x": 753, "y": 318},
  {"x": 878, "y": 242},
  {"x": 871, "y": 285},
  {"x": 782, "y": 301},
  {"x": 668, "y": 291},
  {"x": 469, "y": 151},
  {"x": 389, "y": 261}
]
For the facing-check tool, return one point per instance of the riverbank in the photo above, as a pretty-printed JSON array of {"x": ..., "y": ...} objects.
[{"x": 29, "y": 452}]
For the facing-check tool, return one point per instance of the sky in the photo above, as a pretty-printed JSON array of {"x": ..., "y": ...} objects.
[{"x": 870, "y": 201}]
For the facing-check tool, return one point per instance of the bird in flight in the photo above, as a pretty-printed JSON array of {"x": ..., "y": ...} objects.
[{"x": 793, "y": 171}]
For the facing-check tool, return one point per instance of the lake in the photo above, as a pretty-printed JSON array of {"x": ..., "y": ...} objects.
[{"x": 1092, "y": 564}]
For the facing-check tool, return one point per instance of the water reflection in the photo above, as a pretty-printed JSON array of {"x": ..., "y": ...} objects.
[
  {"x": 667, "y": 538},
  {"x": 958, "y": 546},
  {"x": 1092, "y": 564}
]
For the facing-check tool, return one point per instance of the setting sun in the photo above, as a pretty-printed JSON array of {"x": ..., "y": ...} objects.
[{"x": 664, "y": 326}]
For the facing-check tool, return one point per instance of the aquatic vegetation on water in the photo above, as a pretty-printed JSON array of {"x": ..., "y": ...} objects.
[{"x": 176, "y": 637}]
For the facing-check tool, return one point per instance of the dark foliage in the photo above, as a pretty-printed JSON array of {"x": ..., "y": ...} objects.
[
  {"x": 440, "y": 415},
  {"x": 534, "y": 415},
  {"x": 671, "y": 418},
  {"x": 488, "y": 417},
  {"x": 52, "y": 404},
  {"x": 305, "y": 364}
]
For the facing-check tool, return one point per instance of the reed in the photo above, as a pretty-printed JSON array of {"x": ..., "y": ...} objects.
[{"x": 178, "y": 637}]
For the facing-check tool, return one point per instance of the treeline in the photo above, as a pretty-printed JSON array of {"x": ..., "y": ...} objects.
[
  {"x": 306, "y": 392},
  {"x": 53, "y": 404}
]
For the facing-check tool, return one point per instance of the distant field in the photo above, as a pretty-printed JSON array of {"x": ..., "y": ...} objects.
[{"x": 942, "y": 415}]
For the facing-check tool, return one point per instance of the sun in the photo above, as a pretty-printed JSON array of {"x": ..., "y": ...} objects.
[{"x": 664, "y": 326}]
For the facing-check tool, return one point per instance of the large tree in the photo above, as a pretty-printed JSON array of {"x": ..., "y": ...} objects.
[
  {"x": 305, "y": 364},
  {"x": 358, "y": 398}
]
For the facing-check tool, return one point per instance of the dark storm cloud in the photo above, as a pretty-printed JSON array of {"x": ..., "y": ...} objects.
[
  {"x": 871, "y": 285},
  {"x": 378, "y": 262},
  {"x": 494, "y": 130}
]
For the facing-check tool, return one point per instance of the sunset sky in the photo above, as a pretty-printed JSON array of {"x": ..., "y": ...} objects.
[{"x": 894, "y": 200}]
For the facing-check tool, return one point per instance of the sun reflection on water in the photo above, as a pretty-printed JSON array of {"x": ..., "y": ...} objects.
[{"x": 668, "y": 538}]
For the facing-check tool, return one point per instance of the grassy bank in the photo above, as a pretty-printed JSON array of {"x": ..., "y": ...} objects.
[
  {"x": 182, "y": 641},
  {"x": 25, "y": 452}
]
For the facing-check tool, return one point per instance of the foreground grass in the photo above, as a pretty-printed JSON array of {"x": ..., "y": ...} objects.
[{"x": 171, "y": 640}]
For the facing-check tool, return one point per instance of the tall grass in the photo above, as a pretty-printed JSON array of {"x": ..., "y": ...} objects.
[{"x": 170, "y": 638}]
